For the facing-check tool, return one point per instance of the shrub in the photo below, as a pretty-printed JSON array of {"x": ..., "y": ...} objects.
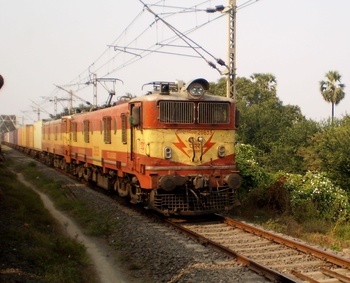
[
  {"x": 253, "y": 175},
  {"x": 315, "y": 196}
]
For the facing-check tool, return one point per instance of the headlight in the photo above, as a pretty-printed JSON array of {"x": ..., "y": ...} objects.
[
  {"x": 221, "y": 151},
  {"x": 196, "y": 90},
  {"x": 167, "y": 152}
]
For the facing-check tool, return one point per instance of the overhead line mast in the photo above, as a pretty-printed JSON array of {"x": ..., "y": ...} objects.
[{"x": 231, "y": 77}]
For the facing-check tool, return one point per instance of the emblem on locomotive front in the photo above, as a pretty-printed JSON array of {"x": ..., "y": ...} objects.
[{"x": 194, "y": 142}]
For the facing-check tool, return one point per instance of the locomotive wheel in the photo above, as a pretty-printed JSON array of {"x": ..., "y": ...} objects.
[
  {"x": 56, "y": 163},
  {"x": 121, "y": 187},
  {"x": 51, "y": 161},
  {"x": 63, "y": 164},
  {"x": 80, "y": 170},
  {"x": 86, "y": 174},
  {"x": 41, "y": 157},
  {"x": 73, "y": 169},
  {"x": 133, "y": 193},
  {"x": 47, "y": 160},
  {"x": 111, "y": 184},
  {"x": 115, "y": 186}
]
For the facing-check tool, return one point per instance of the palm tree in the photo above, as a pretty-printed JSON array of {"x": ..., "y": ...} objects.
[
  {"x": 265, "y": 82},
  {"x": 265, "y": 87},
  {"x": 332, "y": 90}
]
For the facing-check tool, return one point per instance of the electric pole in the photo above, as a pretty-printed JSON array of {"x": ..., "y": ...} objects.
[
  {"x": 56, "y": 100},
  {"x": 231, "y": 77},
  {"x": 38, "y": 109},
  {"x": 95, "y": 90}
]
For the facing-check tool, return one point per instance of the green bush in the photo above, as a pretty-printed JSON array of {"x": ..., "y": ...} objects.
[
  {"x": 315, "y": 196},
  {"x": 253, "y": 175},
  {"x": 259, "y": 192}
]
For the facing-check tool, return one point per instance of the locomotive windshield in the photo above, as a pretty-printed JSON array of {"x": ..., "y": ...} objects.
[{"x": 189, "y": 112}]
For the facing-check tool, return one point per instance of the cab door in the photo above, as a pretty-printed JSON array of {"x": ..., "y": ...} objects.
[
  {"x": 135, "y": 133},
  {"x": 66, "y": 136}
]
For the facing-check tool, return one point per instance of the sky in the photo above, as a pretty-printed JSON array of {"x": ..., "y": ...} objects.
[{"x": 45, "y": 44}]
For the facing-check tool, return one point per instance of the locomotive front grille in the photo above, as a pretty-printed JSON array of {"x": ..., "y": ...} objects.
[
  {"x": 189, "y": 204},
  {"x": 176, "y": 112},
  {"x": 213, "y": 113},
  {"x": 188, "y": 112}
]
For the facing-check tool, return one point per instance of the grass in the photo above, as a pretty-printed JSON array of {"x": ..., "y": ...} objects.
[
  {"x": 32, "y": 247},
  {"x": 94, "y": 223},
  {"x": 335, "y": 236},
  {"x": 271, "y": 209}
]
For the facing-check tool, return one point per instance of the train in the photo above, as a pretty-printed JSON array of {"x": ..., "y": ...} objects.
[{"x": 171, "y": 150}]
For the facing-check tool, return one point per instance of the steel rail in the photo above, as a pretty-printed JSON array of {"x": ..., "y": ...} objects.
[
  {"x": 268, "y": 273},
  {"x": 340, "y": 261}
]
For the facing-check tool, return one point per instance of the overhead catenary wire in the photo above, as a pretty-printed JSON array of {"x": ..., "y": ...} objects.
[
  {"x": 246, "y": 4},
  {"x": 186, "y": 39},
  {"x": 161, "y": 44},
  {"x": 106, "y": 50},
  {"x": 105, "y": 64},
  {"x": 148, "y": 50}
]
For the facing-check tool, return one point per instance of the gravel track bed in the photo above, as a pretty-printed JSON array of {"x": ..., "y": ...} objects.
[
  {"x": 266, "y": 252},
  {"x": 148, "y": 251},
  {"x": 158, "y": 253}
]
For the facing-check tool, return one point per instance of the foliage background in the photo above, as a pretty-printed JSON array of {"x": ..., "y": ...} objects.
[{"x": 289, "y": 164}]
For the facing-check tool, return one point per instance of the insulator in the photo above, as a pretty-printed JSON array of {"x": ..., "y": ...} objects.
[
  {"x": 211, "y": 64},
  {"x": 220, "y": 62},
  {"x": 210, "y": 10}
]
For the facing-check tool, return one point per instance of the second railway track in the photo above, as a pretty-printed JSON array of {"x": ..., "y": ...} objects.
[{"x": 278, "y": 258}]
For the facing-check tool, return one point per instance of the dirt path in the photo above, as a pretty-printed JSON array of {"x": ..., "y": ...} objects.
[{"x": 106, "y": 270}]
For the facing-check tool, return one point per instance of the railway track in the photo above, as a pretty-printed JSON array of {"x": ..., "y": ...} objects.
[{"x": 275, "y": 257}]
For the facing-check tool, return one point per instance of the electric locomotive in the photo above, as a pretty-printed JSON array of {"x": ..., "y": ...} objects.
[{"x": 171, "y": 150}]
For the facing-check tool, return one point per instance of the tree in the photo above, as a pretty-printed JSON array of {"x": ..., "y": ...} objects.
[
  {"x": 218, "y": 88},
  {"x": 329, "y": 151},
  {"x": 275, "y": 130},
  {"x": 265, "y": 82},
  {"x": 332, "y": 90}
]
